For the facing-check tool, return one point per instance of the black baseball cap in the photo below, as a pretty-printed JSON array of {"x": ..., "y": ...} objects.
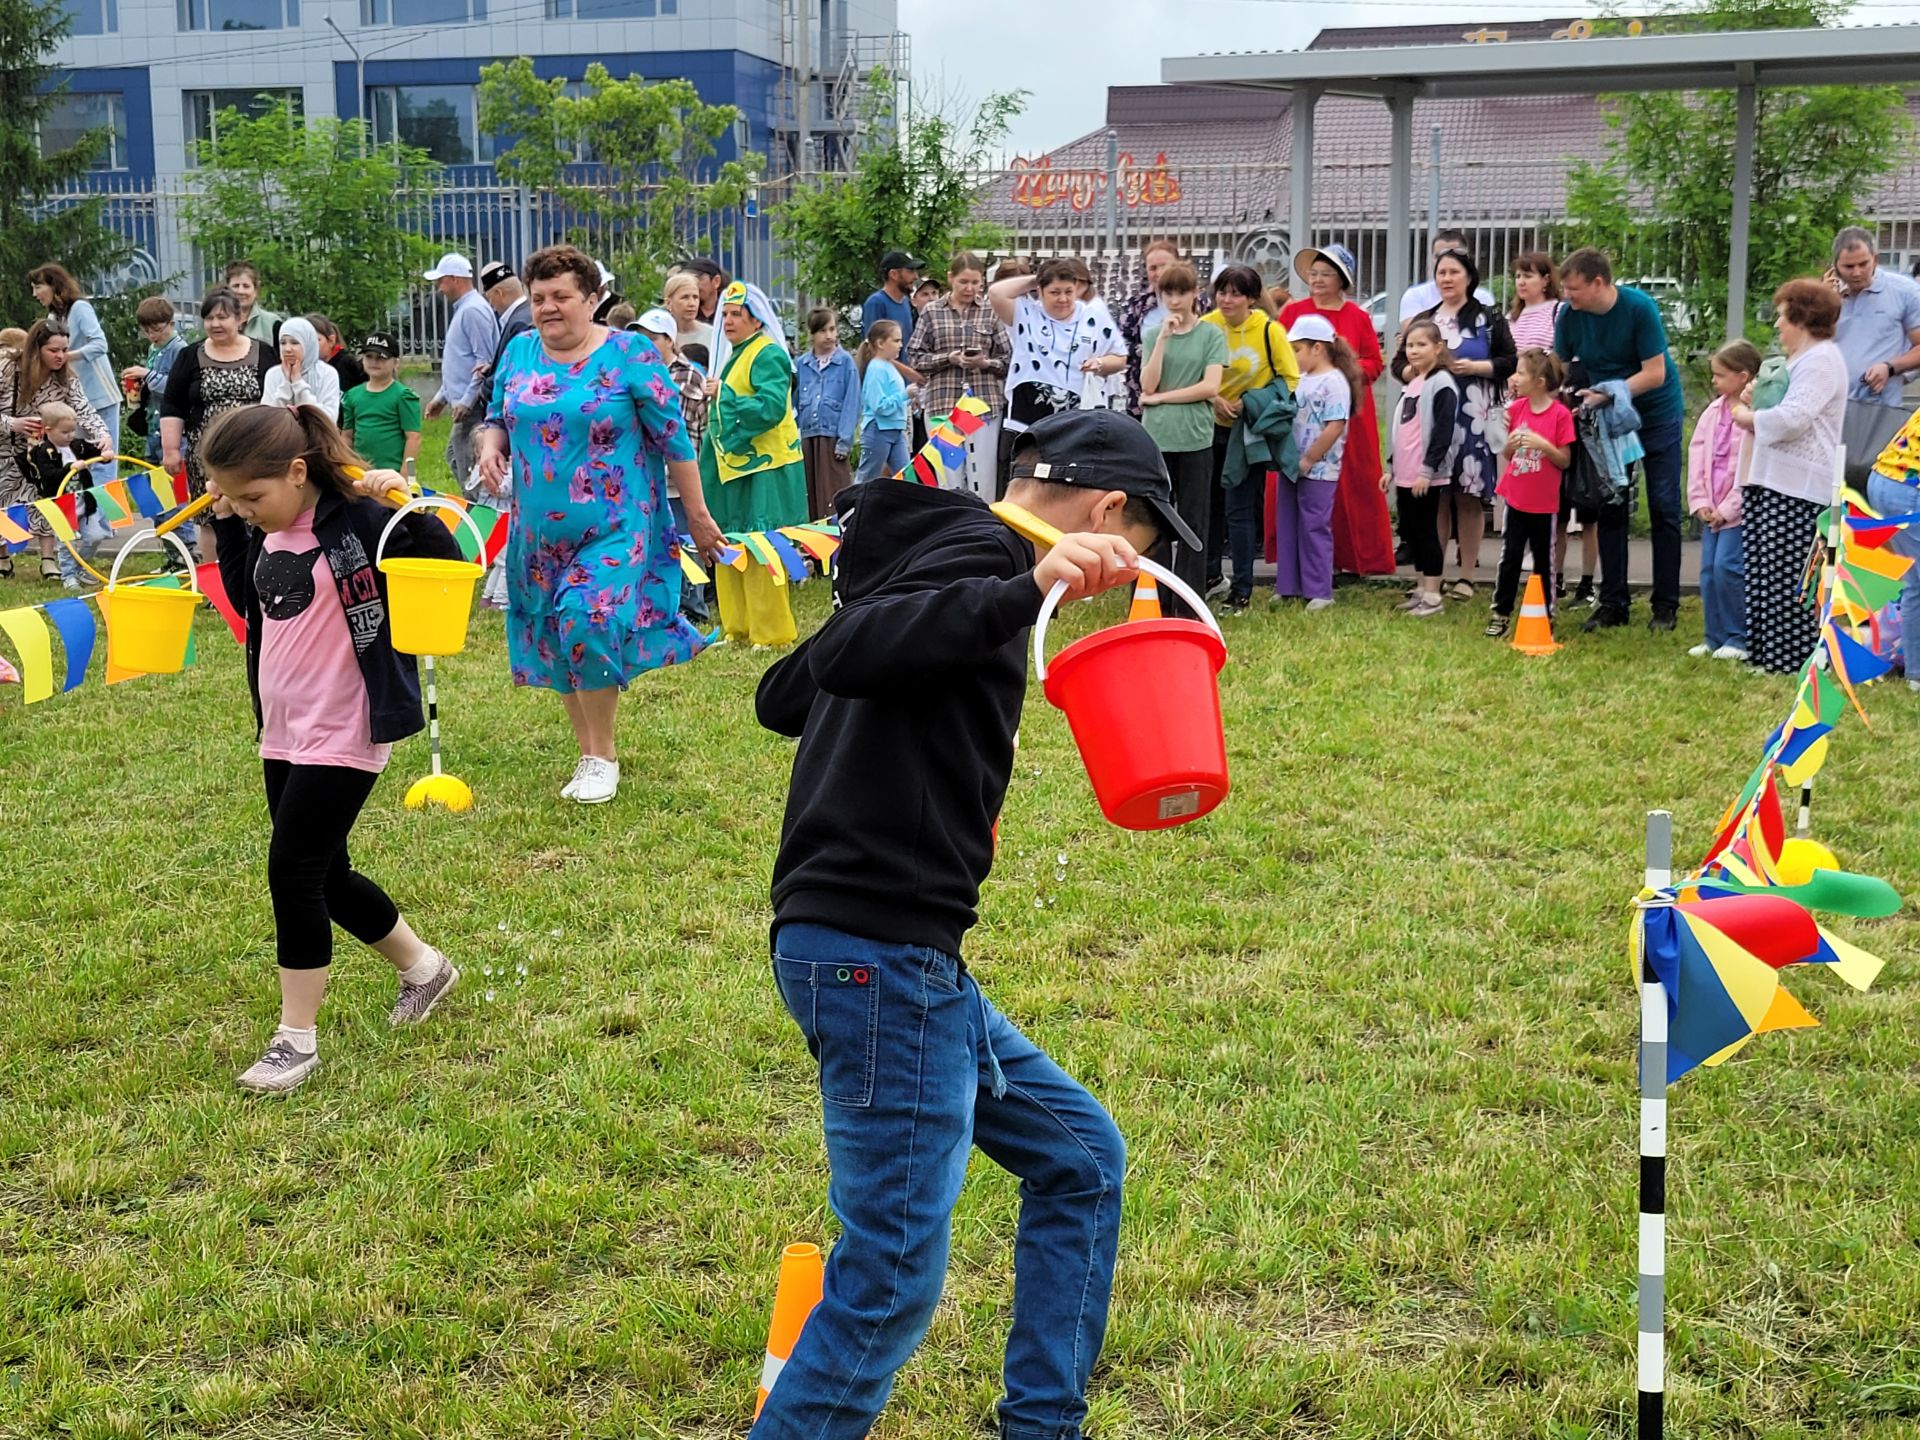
[
  {"x": 381, "y": 342},
  {"x": 1103, "y": 450},
  {"x": 493, "y": 272},
  {"x": 899, "y": 260}
]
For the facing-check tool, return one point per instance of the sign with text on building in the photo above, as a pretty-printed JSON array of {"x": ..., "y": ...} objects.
[{"x": 1038, "y": 186}]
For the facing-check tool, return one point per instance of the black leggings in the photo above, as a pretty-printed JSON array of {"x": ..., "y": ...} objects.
[
  {"x": 1525, "y": 529},
  {"x": 311, "y": 879},
  {"x": 1420, "y": 528}
]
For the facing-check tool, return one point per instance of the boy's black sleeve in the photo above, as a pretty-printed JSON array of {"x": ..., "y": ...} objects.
[
  {"x": 954, "y": 612},
  {"x": 786, "y": 692}
]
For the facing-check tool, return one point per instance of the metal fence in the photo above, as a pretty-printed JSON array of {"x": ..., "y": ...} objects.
[{"x": 1219, "y": 214}]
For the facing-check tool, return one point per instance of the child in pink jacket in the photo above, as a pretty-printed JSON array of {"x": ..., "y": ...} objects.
[{"x": 1713, "y": 497}]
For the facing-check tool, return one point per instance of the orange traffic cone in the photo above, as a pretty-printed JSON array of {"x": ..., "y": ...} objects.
[
  {"x": 1146, "y": 599},
  {"x": 801, "y": 1273},
  {"x": 1535, "y": 633}
]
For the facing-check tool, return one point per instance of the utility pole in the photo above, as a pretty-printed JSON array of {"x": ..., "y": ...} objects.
[
  {"x": 803, "y": 85},
  {"x": 359, "y": 83}
]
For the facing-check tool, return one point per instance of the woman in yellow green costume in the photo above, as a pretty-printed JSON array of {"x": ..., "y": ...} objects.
[{"x": 750, "y": 463}]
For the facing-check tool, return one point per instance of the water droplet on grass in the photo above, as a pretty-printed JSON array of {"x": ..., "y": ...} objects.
[
  {"x": 520, "y": 970},
  {"x": 489, "y": 997},
  {"x": 1060, "y": 874},
  {"x": 1061, "y": 858},
  {"x": 554, "y": 934},
  {"x": 1038, "y": 903}
]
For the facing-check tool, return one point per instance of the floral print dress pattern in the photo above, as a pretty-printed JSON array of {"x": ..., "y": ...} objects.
[
  {"x": 1482, "y": 405},
  {"x": 593, "y": 560},
  {"x": 223, "y": 385}
]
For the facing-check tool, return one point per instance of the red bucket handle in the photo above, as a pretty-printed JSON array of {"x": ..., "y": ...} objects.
[{"x": 1159, "y": 572}]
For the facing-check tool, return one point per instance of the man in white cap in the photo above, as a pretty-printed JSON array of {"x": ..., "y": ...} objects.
[{"x": 472, "y": 332}]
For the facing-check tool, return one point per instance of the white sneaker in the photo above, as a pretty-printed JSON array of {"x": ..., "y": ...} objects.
[
  {"x": 1729, "y": 652},
  {"x": 1914, "y": 686},
  {"x": 1701, "y": 651},
  {"x": 1216, "y": 589},
  {"x": 1318, "y": 603},
  {"x": 601, "y": 782},
  {"x": 572, "y": 787},
  {"x": 280, "y": 1069}
]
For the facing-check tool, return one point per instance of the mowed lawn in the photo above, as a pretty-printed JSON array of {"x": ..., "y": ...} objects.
[{"x": 1368, "y": 1029}]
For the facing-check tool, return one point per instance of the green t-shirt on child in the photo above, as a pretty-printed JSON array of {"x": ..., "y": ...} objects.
[
  {"x": 1189, "y": 426},
  {"x": 380, "y": 420}
]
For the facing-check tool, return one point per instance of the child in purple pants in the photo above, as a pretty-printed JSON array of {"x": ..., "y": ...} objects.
[{"x": 1303, "y": 507}]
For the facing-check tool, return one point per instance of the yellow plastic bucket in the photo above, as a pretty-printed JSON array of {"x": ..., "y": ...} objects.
[
  {"x": 148, "y": 627},
  {"x": 429, "y": 602}
]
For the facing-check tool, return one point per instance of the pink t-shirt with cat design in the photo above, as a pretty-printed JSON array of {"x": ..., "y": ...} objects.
[{"x": 313, "y": 699}]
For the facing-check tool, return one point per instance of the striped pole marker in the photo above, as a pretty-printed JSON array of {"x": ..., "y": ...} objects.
[
  {"x": 1653, "y": 1152},
  {"x": 1803, "y": 829}
]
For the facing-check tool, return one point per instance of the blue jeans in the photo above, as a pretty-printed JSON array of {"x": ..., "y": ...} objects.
[
  {"x": 1663, "y": 468},
  {"x": 882, "y": 453},
  {"x": 916, "y": 1067},
  {"x": 1723, "y": 586},
  {"x": 1246, "y": 504},
  {"x": 1890, "y": 497}
]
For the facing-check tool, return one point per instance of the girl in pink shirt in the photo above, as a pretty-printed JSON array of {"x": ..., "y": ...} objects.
[
  {"x": 297, "y": 538},
  {"x": 1713, "y": 498},
  {"x": 1539, "y": 445}
]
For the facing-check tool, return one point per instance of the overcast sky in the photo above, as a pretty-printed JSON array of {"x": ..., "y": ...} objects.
[{"x": 971, "y": 47}]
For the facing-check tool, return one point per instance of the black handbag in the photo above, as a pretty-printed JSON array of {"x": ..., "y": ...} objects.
[
  {"x": 1586, "y": 485},
  {"x": 1866, "y": 430}
]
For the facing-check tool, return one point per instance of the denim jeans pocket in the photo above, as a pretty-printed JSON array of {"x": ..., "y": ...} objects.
[{"x": 837, "y": 1007}]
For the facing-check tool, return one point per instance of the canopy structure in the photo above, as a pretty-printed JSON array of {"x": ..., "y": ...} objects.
[{"x": 1741, "y": 61}]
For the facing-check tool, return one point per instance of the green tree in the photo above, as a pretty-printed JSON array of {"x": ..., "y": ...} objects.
[
  {"x": 633, "y": 157},
  {"x": 35, "y": 227},
  {"x": 911, "y": 190},
  {"x": 1662, "y": 203},
  {"x": 331, "y": 221}
]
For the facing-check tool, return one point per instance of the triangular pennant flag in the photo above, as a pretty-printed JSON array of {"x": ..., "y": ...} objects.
[
  {"x": 13, "y": 525},
  {"x": 1880, "y": 562},
  {"x": 689, "y": 567},
  {"x": 56, "y": 516},
  {"x": 207, "y": 577},
  {"x": 116, "y": 505},
  {"x": 34, "y": 646},
  {"x": 74, "y": 620},
  {"x": 8, "y": 675},
  {"x": 140, "y": 490},
  {"x": 1858, "y": 663},
  {"x": 789, "y": 555},
  {"x": 1848, "y": 961}
]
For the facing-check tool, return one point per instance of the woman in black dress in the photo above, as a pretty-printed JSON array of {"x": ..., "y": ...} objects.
[{"x": 223, "y": 372}]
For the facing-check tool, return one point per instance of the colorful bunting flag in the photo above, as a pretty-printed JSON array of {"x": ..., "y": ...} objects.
[
  {"x": 74, "y": 620},
  {"x": 61, "y": 513},
  {"x": 27, "y": 630}
]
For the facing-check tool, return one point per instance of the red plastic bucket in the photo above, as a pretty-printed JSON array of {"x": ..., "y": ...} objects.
[{"x": 1143, "y": 701}]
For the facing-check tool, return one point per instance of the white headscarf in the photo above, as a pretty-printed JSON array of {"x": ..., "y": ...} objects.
[
  {"x": 297, "y": 329},
  {"x": 757, "y": 305}
]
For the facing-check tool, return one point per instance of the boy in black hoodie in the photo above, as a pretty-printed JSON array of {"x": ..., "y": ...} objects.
[{"x": 906, "y": 703}]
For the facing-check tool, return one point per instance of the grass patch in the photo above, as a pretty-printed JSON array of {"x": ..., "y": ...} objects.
[{"x": 1368, "y": 1029}]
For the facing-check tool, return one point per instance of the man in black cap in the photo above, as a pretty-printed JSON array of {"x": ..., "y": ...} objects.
[
  {"x": 905, "y": 703},
  {"x": 899, "y": 274},
  {"x": 508, "y": 297}
]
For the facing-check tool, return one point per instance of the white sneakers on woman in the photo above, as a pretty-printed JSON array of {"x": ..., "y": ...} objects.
[{"x": 595, "y": 781}]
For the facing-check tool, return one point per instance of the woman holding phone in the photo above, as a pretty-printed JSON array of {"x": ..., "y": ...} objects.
[{"x": 960, "y": 346}]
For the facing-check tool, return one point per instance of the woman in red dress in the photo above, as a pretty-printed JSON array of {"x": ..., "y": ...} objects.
[{"x": 1362, "y": 530}]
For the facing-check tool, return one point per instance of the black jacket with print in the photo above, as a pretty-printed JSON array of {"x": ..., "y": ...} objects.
[{"x": 349, "y": 533}]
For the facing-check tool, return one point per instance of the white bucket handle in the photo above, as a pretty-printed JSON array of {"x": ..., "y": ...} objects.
[
  {"x": 1147, "y": 567},
  {"x": 430, "y": 502},
  {"x": 113, "y": 575}
]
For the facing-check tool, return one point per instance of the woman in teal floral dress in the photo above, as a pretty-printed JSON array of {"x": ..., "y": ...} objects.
[{"x": 583, "y": 429}]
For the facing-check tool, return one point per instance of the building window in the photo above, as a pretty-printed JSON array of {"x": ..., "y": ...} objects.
[
  {"x": 421, "y": 12},
  {"x": 72, "y": 117},
  {"x": 239, "y": 14},
  {"x": 94, "y": 17},
  {"x": 610, "y": 9},
  {"x": 202, "y": 109},
  {"x": 437, "y": 118}
]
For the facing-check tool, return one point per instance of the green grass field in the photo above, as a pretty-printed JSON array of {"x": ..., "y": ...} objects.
[{"x": 1369, "y": 1031}]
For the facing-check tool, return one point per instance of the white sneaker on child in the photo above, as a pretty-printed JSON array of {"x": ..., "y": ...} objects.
[
  {"x": 1729, "y": 652},
  {"x": 1701, "y": 651},
  {"x": 1318, "y": 603},
  {"x": 281, "y": 1069},
  {"x": 601, "y": 782}
]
